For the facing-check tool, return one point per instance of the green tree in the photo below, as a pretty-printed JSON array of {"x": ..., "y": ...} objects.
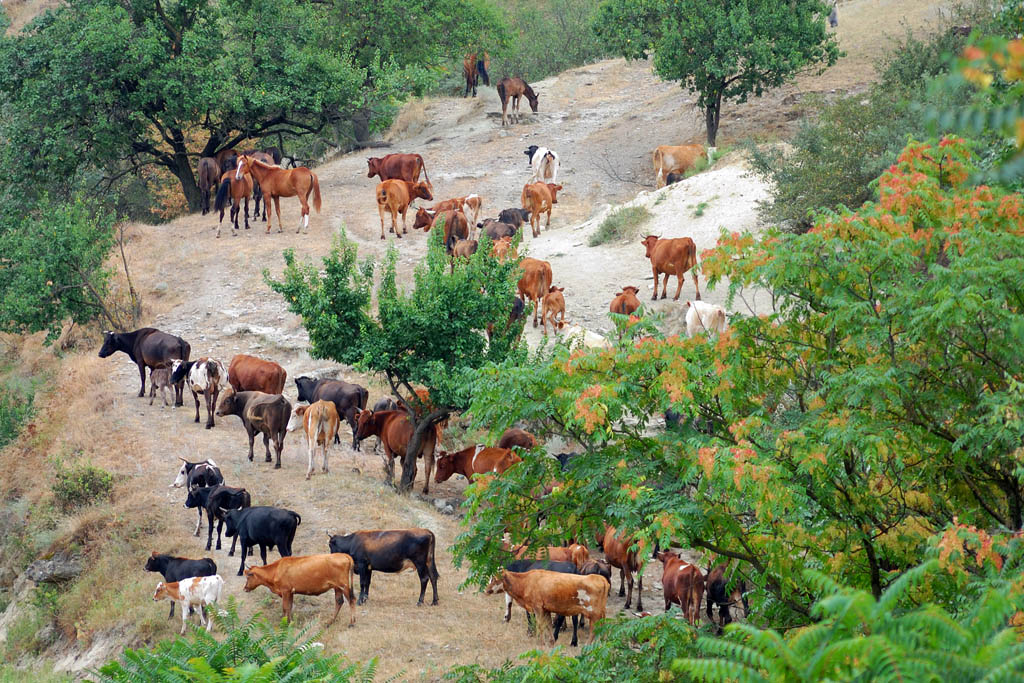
[
  {"x": 721, "y": 50},
  {"x": 434, "y": 336}
]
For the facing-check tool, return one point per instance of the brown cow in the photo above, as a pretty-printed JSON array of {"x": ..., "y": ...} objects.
[
  {"x": 308, "y": 575},
  {"x": 553, "y": 305},
  {"x": 320, "y": 423},
  {"x": 503, "y": 250},
  {"x": 259, "y": 412},
  {"x": 619, "y": 553},
  {"x": 675, "y": 159},
  {"x": 395, "y": 430},
  {"x": 249, "y": 373},
  {"x": 538, "y": 198},
  {"x": 463, "y": 249},
  {"x": 517, "y": 438},
  {"x": 469, "y": 205},
  {"x": 534, "y": 283},
  {"x": 397, "y": 166},
  {"x": 474, "y": 460},
  {"x": 671, "y": 257},
  {"x": 456, "y": 227},
  {"x": 543, "y": 593},
  {"x": 625, "y": 302},
  {"x": 395, "y": 196},
  {"x": 683, "y": 584}
]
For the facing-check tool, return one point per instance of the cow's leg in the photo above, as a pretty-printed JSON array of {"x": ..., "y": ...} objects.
[
  {"x": 547, "y": 225},
  {"x": 339, "y": 600},
  {"x": 664, "y": 286},
  {"x": 245, "y": 548},
  {"x": 575, "y": 625},
  {"x": 350, "y": 417},
  {"x": 142, "y": 376},
  {"x": 252, "y": 437},
  {"x": 324, "y": 446},
  {"x": 428, "y": 464},
  {"x": 209, "y": 533},
  {"x": 309, "y": 449},
  {"x": 171, "y": 615},
  {"x": 263, "y": 553},
  {"x": 679, "y": 283},
  {"x": 266, "y": 445},
  {"x": 199, "y": 523},
  {"x": 629, "y": 588},
  {"x": 639, "y": 590},
  {"x": 184, "y": 617},
  {"x": 286, "y": 605},
  {"x": 696, "y": 286},
  {"x": 278, "y": 447},
  {"x": 211, "y": 403},
  {"x": 195, "y": 397},
  {"x": 508, "y": 607},
  {"x": 389, "y": 465},
  {"x": 622, "y": 582}
]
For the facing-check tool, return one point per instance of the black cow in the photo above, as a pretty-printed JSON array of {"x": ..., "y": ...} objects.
[
  {"x": 514, "y": 217},
  {"x": 218, "y": 501},
  {"x": 390, "y": 551},
  {"x": 194, "y": 475},
  {"x": 263, "y": 526},
  {"x": 719, "y": 594},
  {"x": 148, "y": 347},
  {"x": 564, "y": 458},
  {"x": 348, "y": 398},
  {"x": 178, "y": 568}
]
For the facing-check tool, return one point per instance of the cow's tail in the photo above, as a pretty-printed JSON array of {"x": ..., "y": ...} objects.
[
  {"x": 423, "y": 167},
  {"x": 222, "y": 195},
  {"x": 364, "y": 396},
  {"x": 321, "y": 427},
  {"x": 298, "y": 517},
  {"x": 430, "y": 557},
  {"x": 482, "y": 70},
  {"x": 184, "y": 349},
  {"x": 316, "y": 192},
  {"x": 695, "y": 596}
]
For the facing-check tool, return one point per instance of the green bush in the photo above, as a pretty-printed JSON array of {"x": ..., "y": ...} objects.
[
  {"x": 80, "y": 485},
  {"x": 619, "y": 224},
  {"x": 15, "y": 410}
]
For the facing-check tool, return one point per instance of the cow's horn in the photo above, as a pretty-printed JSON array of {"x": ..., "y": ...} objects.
[{"x": 182, "y": 459}]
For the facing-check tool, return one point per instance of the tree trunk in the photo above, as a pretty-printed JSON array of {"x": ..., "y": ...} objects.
[
  {"x": 422, "y": 426},
  {"x": 361, "y": 126},
  {"x": 712, "y": 117},
  {"x": 183, "y": 170}
]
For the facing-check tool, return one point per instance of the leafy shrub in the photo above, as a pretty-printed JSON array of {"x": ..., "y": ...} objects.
[
  {"x": 80, "y": 485},
  {"x": 552, "y": 36},
  {"x": 619, "y": 224},
  {"x": 15, "y": 410}
]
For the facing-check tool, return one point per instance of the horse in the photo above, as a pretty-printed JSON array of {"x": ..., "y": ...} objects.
[
  {"x": 257, "y": 191},
  {"x": 225, "y": 157},
  {"x": 279, "y": 182},
  {"x": 209, "y": 174},
  {"x": 240, "y": 188},
  {"x": 472, "y": 68},
  {"x": 515, "y": 88}
]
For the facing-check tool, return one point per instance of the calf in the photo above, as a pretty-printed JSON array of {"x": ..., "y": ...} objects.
[
  {"x": 539, "y": 198},
  {"x": 552, "y": 306},
  {"x": 675, "y": 159},
  {"x": 178, "y": 568},
  {"x": 514, "y": 437},
  {"x": 204, "y": 376},
  {"x": 544, "y": 163},
  {"x": 394, "y": 196},
  {"x": 348, "y": 399},
  {"x": 625, "y": 302},
  {"x": 160, "y": 378},
  {"x": 263, "y": 526},
  {"x": 218, "y": 501},
  {"x": 390, "y": 551},
  {"x": 683, "y": 584},
  {"x": 671, "y": 257},
  {"x": 249, "y": 373},
  {"x": 544, "y": 593},
  {"x": 267, "y": 414},
  {"x": 320, "y": 424},
  {"x": 625, "y": 553},
  {"x": 720, "y": 595},
  {"x": 463, "y": 249},
  {"x": 502, "y": 249},
  {"x": 308, "y": 575},
  {"x": 704, "y": 317},
  {"x": 514, "y": 217},
  {"x": 535, "y": 283},
  {"x": 198, "y": 591},
  {"x": 575, "y": 553},
  {"x": 474, "y": 460}
]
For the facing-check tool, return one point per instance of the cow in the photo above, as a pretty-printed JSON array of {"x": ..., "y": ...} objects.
[
  {"x": 673, "y": 178},
  {"x": 535, "y": 283},
  {"x": 576, "y": 335},
  {"x": 348, "y": 399},
  {"x": 194, "y": 475},
  {"x": 249, "y": 373},
  {"x": 720, "y": 595},
  {"x": 204, "y": 376},
  {"x": 320, "y": 424},
  {"x": 516, "y": 313},
  {"x": 622, "y": 552},
  {"x": 470, "y": 205},
  {"x": 671, "y": 257},
  {"x": 544, "y": 162},
  {"x": 497, "y": 230},
  {"x": 456, "y": 226},
  {"x": 463, "y": 249},
  {"x": 264, "y": 526},
  {"x": 704, "y": 317},
  {"x": 307, "y": 575},
  {"x": 160, "y": 378},
  {"x": 576, "y": 553},
  {"x": 552, "y": 306},
  {"x": 675, "y": 159},
  {"x": 197, "y": 591},
  {"x": 683, "y": 584},
  {"x": 524, "y": 566},
  {"x": 389, "y": 551},
  {"x": 502, "y": 250},
  {"x": 405, "y": 167},
  {"x": 383, "y": 404},
  {"x": 514, "y": 217},
  {"x": 625, "y": 302},
  {"x": 395, "y": 430},
  {"x": 394, "y": 196},
  {"x": 148, "y": 347},
  {"x": 563, "y": 462},
  {"x": 544, "y": 593},
  {"x": 538, "y": 198},
  {"x": 513, "y": 437},
  {"x": 260, "y": 413},
  {"x": 474, "y": 460},
  {"x": 217, "y": 501},
  {"x": 177, "y": 568}
]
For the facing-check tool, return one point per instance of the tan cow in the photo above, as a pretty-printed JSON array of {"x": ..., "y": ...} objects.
[
  {"x": 671, "y": 257},
  {"x": 308, "y": 575},
  {"x": 538, "y": 198},
  {"x": 552, "y": 306},
  {"x": 394, "y": 196},
  {"x": 535, "y": 283},
  {"x": 320, "y": 423},
  {"x": 543, "y": 593},
  {"x": 621, "y": 552},
  {"x": 675, "y": 159},
  {"x": 625, "y": 302}
]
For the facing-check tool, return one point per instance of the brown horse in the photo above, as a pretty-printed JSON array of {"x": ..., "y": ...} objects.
[
  {"x": 240, "y": 189},
  {"x": 257, "y": 191},
  {"x": 473, "y": 69},
  {"x": 395, "y": 430},
  {"x": 279, "y": 182},
  {"x": 515, "y": 88},
  {"x": 209, "y": 173},
  {"x": 224, "y": 157}
]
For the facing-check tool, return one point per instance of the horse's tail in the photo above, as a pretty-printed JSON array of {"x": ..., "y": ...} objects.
[
  {"x": 502, "y": 95},
  {"x": 482, "y": 69},
  {"x": 222, "y": 195},
  {"x": 423, "y": 167},
  {"x": 316, "y": 191}
]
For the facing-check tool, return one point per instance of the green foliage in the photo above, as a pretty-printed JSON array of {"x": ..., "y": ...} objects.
[
  {"x": 15, "y": 410},
  {"x": 34, "y": 628},
  {"x": 720, "y": 51},
  {"x": 80, "y": 485},
  {"x": 621, "y": 223},
  {"x": 253, "y": 650}
]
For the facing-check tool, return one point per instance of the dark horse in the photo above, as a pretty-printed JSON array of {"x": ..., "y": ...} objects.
[
  {"x": 148, "y": 347},
  {"x": 472, "y": 68},
  {"x": 208, "y": 176},
  {"x": 257, "y": 192},
  {"x": 514, "y": 88}
]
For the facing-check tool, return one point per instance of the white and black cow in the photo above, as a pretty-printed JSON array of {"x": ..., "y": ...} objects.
[
  {"x": 544, "y": 162},
  {"x": 205, "y": 376},
  {"x": 193, "y": 475}
]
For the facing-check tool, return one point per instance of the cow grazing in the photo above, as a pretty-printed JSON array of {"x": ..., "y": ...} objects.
[
  {"x": 395, "y": 430},
  {"x": 599, "y": 567},
  {"x": 683, "y": 585},
  {"x": 464, "y": 249},
  {"x": 308, "y": 575},
  {"x": 624, "y": 554},
  {"x": 538, "y": 198},
  {"x": 720, "y": 595},
  {"x": 260, "y": 413},
  {"x": 148, "y": 347},
  {"x": 160, "y": 378},
  {"x": 535, "y": 283},
  {"x": 177, "y": 568},
  {"x": 544, "y": 163},
  {"x": 395, "y": 196},
  {"x": 390, "y": 551},
  {"x": 197, "y": 591},
  {"x": 204, "y": 376},
  {"x": 474, "y": 460},
  {"x": 675, "y": 159},
  {"x": 671, "y": 257},
  {"x": 514, "y": 217},
  {"x": 544, "y": 593},
  {"x": 320, "y": 423},
  {"x": 405, "y": 167},
  {"x": 552, "y": 306},
  {"x": 470, "y": 205},
  {"x": 514, "y": 437},
  {"x": 703, "y": 318},
  {"x": 217, "y": 501},
  {"x": 673, "y": 178},
  {"x": 456, "y": 227},
  {"x": 264, "y": 526},
  {"x": 249, "y": 373},
  {"x": 625, "y": 302},
  {"x": 348, "y": 399}
]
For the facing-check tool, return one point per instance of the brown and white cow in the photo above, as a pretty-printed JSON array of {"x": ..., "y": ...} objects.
[
  {"x": 397, "y": 166},
  {"x": 196, "y": 591},
  {"x": 671, "y": 257},
  {"x": 474, "y": 460},
  {"x": 394, "y": 196},
  {"x": 576, "y": 553},
  {"x": 535, "y": 283},
  {"x": 675, "y": 159},
  {"x": 538, "y": 198},
  {"x": 544, "y": 593},
  {"x": 683, "y": 584},
  {"x": 260, "y": 413},
  {"x": 553, "y": 306},
  {"x": 320, "y": 423},
  {"x": 307, "y": 575},
  {"x": 249, "y": 373},
  {"x": 625, "y": 553},
  {"x": 469, "y": 205},
  {"x": 625, "y": 302}
]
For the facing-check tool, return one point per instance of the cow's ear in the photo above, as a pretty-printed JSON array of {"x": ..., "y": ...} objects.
[
  {"x": 155, "y": 553},
  {"x": 687, "y": 304}
]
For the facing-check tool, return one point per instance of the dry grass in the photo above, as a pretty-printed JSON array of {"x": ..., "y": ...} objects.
[
  {"x": 21, "y": 12},
  {"x": 412, "y": 119}
]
